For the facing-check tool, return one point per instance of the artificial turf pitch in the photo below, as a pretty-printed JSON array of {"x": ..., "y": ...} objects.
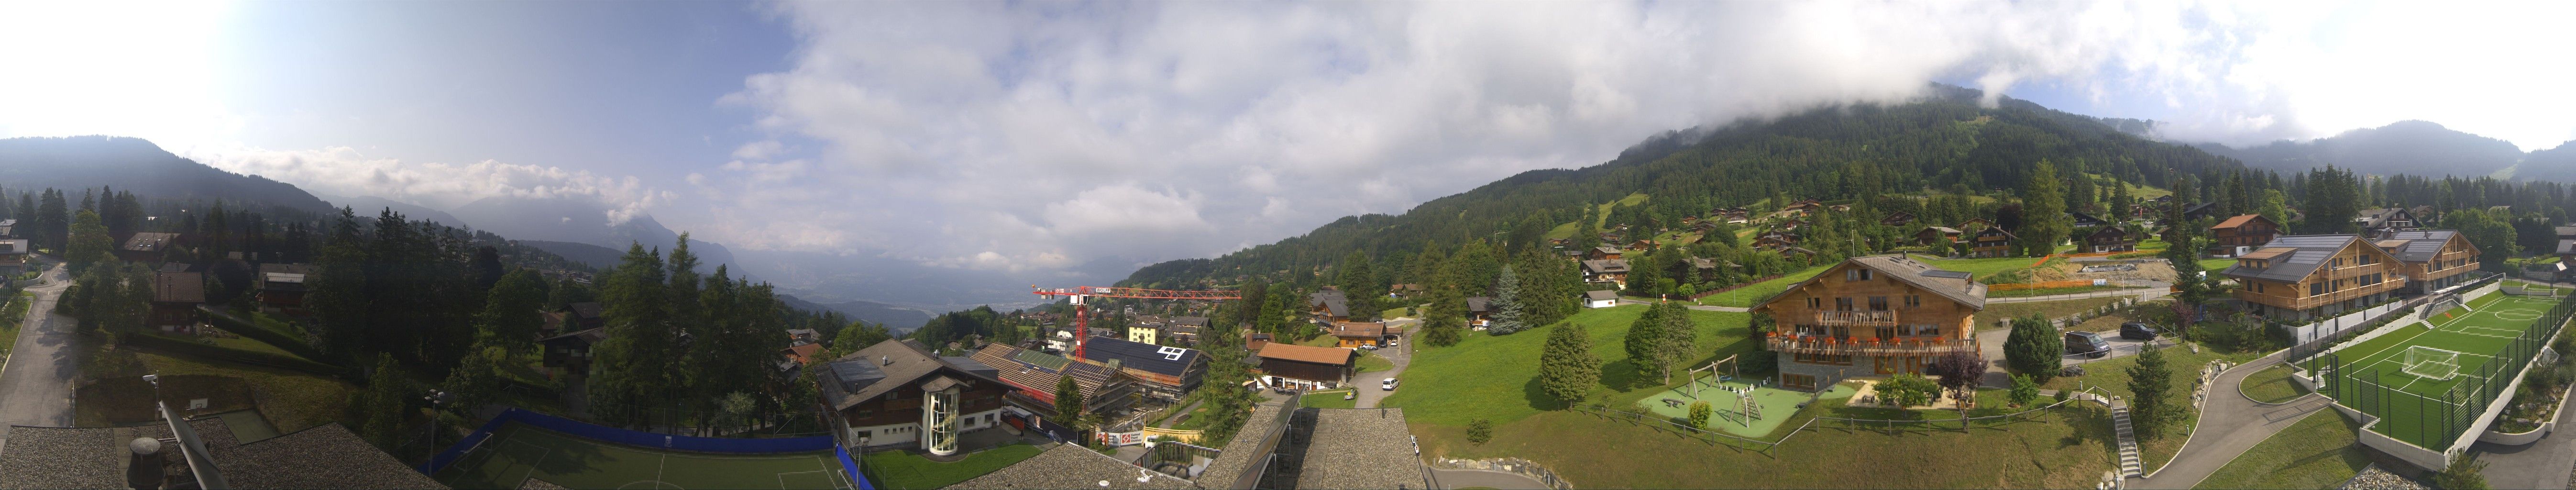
[
  {"x": 516, "y": 453},
  {"x": 1726, "y": 414},
  {"x": 2479, "y": 334}
]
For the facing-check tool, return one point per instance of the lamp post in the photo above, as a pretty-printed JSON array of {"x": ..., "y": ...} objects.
[{"x": 436, "y": 399}]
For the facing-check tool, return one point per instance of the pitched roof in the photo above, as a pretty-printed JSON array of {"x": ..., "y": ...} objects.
[
  {"x": 14, "y": 246},
  {"x": 1605, "y": 265},
  {"x": 1942, "y": 229},
  {"x": 585, "y": 310},
  {"x": 2114, "y": 231},
  {"x": 1035, "y": 373},
  {"x": 1359, "y": 329},
  {"x": 2566, "y": 231},
  {"x": 1319, "y": 355},
  {"x": 2418, "y": 245},
  {"x": 1479, "y": 304},
  {"x": 1600, "y": 295},
  {"x": 1165, "y": 360},
  {"x": 2292, "y": 257},
  {"x": 150, "y": 241},
  {"x": 874, "y": 370},
  {"x": 1951, "y": 284},
  {"x": 2239, "y": 220},
  {"x": 1332, "y": 300},
  {"x": 802, "y": 352},
  {"x": 178, "y": 287}
]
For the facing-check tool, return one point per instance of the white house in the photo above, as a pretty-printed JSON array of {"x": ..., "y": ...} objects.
[{"x": 1600, "y": 299}]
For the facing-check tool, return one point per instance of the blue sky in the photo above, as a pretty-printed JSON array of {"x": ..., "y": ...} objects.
[{"x": 1043, "y": 136}]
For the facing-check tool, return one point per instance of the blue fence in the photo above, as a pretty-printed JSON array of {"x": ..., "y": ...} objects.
[{"x": 645, "y": 439}]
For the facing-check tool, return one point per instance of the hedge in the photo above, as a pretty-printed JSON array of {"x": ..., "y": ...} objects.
[
  {"x": 281, "y": 340},
  {"x": 191, "y": 347}
]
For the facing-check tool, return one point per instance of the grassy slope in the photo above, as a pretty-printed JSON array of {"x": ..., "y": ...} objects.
[
  {"x": 2272, "y": 385},
  {"x": 2049, "y": 309},
  {"x": 2317, "y": 452},
  {"x": 1745, "y": 297},
  {"x": 2113, "y": 377},
  {"x": 1329, "y": 399},
  {"x": 1370, "y": 362},
  {"x": 1980, "y": 267},
  {"x": 1601, "y": 213},
  {"x": 898, "y": 469},
  {"x": 1496, "y": 378},
  {"x": 292, "y": 400}
]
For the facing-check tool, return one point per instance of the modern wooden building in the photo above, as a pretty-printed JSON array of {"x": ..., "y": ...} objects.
[
  {"x": 2431, "y": 259},
  {"x": 896, "y": 394},
  {"x": 2302, "y": 277},
  {"x": 1871, "y": 316},
  {"x": 2110, "y": 238}
]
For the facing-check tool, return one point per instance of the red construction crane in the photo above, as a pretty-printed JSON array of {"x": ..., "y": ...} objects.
[{"x": 1082, "y": 321}]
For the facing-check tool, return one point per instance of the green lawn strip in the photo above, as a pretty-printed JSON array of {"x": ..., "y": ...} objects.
[
  {"x": 2048, "y": 309},
  {"x": 2215, "y": 265},
  {"x": 2272, "y": 385},
  {"x": 2065, "y": 448},
  {"x": 903, "y": 470},
  {"x": 2025, "y": 293},
  {"x": 1744, "y": 297},
  {"x": 1196, "y": 420},
  {"x": 2112, "y": 376},
  {"x": 292, "y": 400},
  {"x": 1496, "y": 377},
  {"x": 1370, "y": 362},
  {"x": 1329, "y": 399},
  {"x": 10, "y": 316},
  {"x": 2316, "y": 452}
]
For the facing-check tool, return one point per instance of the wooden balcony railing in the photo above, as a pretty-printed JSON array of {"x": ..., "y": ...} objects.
[
  {"x": 1857, "y": 318},
  {"x": 2321, "y": 300},
  {"x": 1867, "y": 346}
]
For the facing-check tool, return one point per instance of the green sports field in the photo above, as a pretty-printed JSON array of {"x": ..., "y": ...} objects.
[
  {"x": 1727, "y": 414},
  {"x": 517, "y": 453},
  {"x": 2430, "y": 411}
]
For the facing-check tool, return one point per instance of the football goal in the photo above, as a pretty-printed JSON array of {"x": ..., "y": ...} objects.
[
  {"x": 2441, "y": 305},
  {"x": 2432, "y": 364}
]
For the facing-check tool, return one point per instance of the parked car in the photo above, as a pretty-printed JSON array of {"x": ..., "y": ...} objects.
[
  {"x": 2089, "y": 343},
  {"x": 1368, "y": 347},
  {"x": 1389, "y": 385},
  {"x": 2137, "y": 331}
]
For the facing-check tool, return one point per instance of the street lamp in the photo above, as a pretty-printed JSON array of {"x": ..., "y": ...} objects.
[{"x": 436, "y": 399}]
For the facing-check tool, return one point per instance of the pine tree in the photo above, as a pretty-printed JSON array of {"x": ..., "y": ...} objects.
[
  {"x": 383, "y": 404},
  {"x": 1567, "y": 368},
  {"x": 1507, "y": 305},
  {"x": 2151, "y": 393},
  {"x": 2044, "y": 218}
]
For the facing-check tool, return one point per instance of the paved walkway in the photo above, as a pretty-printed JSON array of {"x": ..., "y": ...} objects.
[
  {"x": 1485, "y": 478},
  {"x": 2150, "y": 290},
  {"x": 36, "y": 382},
  {"x": 2543, "y": 464},
  {"x": 1367, "y": 383},
  {"x": 2229, "y": 424}
]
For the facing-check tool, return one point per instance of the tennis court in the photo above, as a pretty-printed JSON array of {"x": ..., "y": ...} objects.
[
  {"x": 517, "y": 453},
  {"x": 2428, "y": 380}
]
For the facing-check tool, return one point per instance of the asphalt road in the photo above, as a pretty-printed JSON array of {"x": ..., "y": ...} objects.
[
  {"x": 1401, "y": 355},
  {"x": 36, "y": 384},
  {"x": 1485, "y": 478}
]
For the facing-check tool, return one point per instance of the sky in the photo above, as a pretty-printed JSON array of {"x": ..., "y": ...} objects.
[{"x": 1032, "y": 137}]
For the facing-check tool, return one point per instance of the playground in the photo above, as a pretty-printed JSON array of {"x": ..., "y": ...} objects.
[
  {"x": 2429, "y": 379},
  {"x": 1738, "y": 407},
  {"x": 517, "y": 453}
]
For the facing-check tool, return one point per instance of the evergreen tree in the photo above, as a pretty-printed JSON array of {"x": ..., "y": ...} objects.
[
  {"x": 1645, "y": 342},
  {"x": 2151, "y": 393},
  {"x": 2044, "y": 218},
  {"x": 1567, "y": 368},
  {"x": 2492, "y": 234},
  {"x": 509, "y": 318},
  {"x": 636, "y": 361},
  {"x": 1507, "y": 305},
  {"x": 383, "y": 404},
  {"x": 53, "y": 222},
  {"x": 1068, "y": 400},
  {"x": 2333, "y": 198},
  {"x": 2033, "y": 348}
]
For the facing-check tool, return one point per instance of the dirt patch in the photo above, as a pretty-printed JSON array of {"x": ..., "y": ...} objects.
[
  {"x": 2153, "y": 270},
  {"x": 128, "y": 400}
]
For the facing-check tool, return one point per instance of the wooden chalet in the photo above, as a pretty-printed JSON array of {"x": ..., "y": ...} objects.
[
  {"x": 1937, "y": 236},
  {"x": 1352, "y": 335},
  {"x": 1877, "y": 315},
  {"x": 280, "y": 287},
  {"x": 2083, "y": 220},
  {"x": 2110, "y": 238},
  {"x": 13, "y": 256},
  {"x": 175, "y": 296},
  {"x": 1899, "y": 218},
  {"x": 2251, "y": 230},
  {"x": 1297, "y": 366},
  {"x": 148, "y": 247},
  {"x": 1328, "y": 306},
  {"x": 1611, "y": 271},
  {"x": 2380, "y": 220},
  {"x": 568, "y": 355},
  {"x": 1604, "y": 253},
  {"x": 897, "y": 394},
  {"x": 1990, "y": 242}
]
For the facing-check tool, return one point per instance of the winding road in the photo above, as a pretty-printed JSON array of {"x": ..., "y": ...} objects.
[
  {"x": 36, "y": 382},
  {"x": 2229, "y": 424}
]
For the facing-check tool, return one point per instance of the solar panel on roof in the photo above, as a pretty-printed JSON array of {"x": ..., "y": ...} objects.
[{"x": 1171, "y": 353}]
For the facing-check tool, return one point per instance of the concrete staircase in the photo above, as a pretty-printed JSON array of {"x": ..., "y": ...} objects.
[{"x": 2130, "y": 465}]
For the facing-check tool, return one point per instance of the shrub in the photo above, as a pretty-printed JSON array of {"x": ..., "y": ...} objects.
[
  {"x": 2062, "y": 395},
  {"x": 1699, "y": 412},
  {"x": 1908, "y": 390},
  {"x": 2464, "y": 473},
  {"x": 2024, "y": 390},
  {"x": 1480, "y": 430}
]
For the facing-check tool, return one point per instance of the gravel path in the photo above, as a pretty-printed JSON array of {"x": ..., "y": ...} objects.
[{"x": 2373, "y": 478}]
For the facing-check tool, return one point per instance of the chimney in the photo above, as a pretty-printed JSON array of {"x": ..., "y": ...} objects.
[{"x": 885, "y": 360}]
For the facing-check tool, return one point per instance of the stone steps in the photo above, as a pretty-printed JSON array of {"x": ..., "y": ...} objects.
[{"x": 2130, "y": 464}]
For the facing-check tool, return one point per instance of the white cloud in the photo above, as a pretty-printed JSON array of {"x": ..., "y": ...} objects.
[{"x": 346, "y": 171}]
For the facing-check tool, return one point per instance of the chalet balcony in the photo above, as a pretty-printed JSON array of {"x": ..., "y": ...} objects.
[
  {"x": 1867, "y": 346},
  {"x": 1863, "y": 318}
]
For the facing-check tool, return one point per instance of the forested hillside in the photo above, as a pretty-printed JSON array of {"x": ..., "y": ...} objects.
[{"x": 1943, "y": 144}]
